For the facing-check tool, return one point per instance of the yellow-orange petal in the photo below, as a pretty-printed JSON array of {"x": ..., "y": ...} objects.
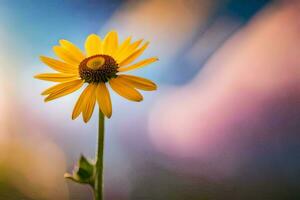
[
  {"x": 56, "y": 77},
  {"x": 66, "y": 56},
  {"x": 72, "y": 48},
  {"x": 128, "y": 51},
  {"x": 59, "y": 66},
  {"x": 93, "y": 45},
  {"x": 110, "y": 43},
  {"x": 122, "y": 47},
  {"x": 138, "y": 82},
  {"x": 124, "y": 90},
  {"x": 63, "y": 89},
  {"x": 62, "y": 86},
  {"x": 103, "y": 98},
  {"x": 80, "y": 102},
  {"x": 89, "y": 103},
  {"x": 134, "y": 55},
  {"x": 137, "y": 65}
]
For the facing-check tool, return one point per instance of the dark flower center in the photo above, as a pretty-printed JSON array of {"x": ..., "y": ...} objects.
[{"x": 98, "y": 68}]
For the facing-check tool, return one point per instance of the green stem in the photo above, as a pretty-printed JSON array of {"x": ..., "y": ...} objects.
[{"x": 98, "y": 187}]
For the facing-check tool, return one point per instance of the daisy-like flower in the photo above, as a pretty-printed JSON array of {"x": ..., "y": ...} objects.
[{"x": 101, "y": 65}]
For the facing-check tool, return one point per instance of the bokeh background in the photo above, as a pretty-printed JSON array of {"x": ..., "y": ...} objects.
[{"x": 224, "y": 123}]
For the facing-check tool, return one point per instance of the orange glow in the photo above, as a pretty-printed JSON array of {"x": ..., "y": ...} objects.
[{"x": 167, "y": 24}]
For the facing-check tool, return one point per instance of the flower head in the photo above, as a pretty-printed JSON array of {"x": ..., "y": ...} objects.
[{"x": 101, "y": 65}]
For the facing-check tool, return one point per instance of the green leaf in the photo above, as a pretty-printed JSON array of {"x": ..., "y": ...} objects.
[{"x": 84, "y": 172}]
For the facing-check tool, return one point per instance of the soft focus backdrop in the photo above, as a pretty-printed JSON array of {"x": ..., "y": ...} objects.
[{"x": 224, "y": 123}]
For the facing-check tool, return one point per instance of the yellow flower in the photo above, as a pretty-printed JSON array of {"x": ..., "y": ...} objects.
[{"x": 101, "y": 65}]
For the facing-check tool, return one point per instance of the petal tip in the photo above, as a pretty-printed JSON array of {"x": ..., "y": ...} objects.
[
  {"x": 42, "y": 58},
  {"x": 93, "y": 35},
  {"x": 74, "y": 116},
  {"x": 61, "y": 41},
  {"x": 55, "y": 48},
  {"x": 154, "y": 87},
  {"x": 37, "y": 76},
  {"x": 113, "y": 31},
  {"x": 140, "y": 99},
  {"x": 108, "y": 115}
]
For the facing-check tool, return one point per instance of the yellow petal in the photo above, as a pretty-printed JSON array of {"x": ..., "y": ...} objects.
[
  {"x": 138, "y": 65},
  {"x": 89, "y": 103},
  {"x": 59, "y": 66},
  {"x": 134, "y": 55},
  {"x": 93, "y": 45},
  {"x": 56, "y": 77},
  {"x": 73, "y": 49},
  {"x": 103, "y": 98},
  {"x": 62, "y": 86},
  {"x": 65, "y": 55},
  {"x": 110, "y": 43},
  {"x": 122, "y": 47},
  {"x": 125, "y": 91},
  {"x": 78, "y": 106},
  {"x": 128, "y": 51},
  {"x": 137, "y": 82},
  {"x": 62, "y": 89},
  {"x": 81, "y": 102}
]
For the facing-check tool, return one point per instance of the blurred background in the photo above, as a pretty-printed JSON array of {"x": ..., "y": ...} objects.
[{"x": 224, "y": 123}]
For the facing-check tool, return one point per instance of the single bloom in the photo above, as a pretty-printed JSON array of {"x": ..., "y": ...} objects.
[{"x": 101, "y": 65}]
